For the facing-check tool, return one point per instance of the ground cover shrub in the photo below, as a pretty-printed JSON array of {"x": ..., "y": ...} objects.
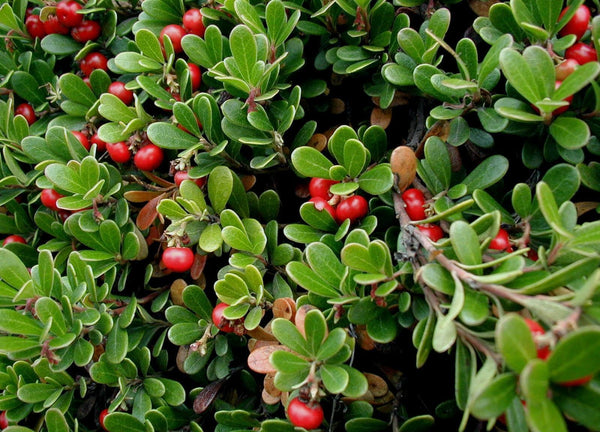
[{"x": 340, "y": 215}]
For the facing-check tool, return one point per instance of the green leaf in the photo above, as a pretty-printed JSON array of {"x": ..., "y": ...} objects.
[
  {"x": 310, "y": 162},
  {"x": 488, "y": 172},
  {"x": 308, "y": 278},
  {"x": 244, "y": 50},
  {"x": 123, "y": 422},
  {"x": 576, "y": 355},
  {"x": 169, "y": 136},
  {"x": 495, "y": 398},
  {"x": 569, "y": 132},
  {"x": 56, "y": 421},
  {"x": 377, "y": 180},
  {"x": 36, "y": 392},
  {"x": 335, "y": 378},
  {"x": 12, "y": 270},
  {"x": 580, "y": 403},
  {"x": 13, "y": 322},
  {"x": 544, "y": 416},
  {"x": 149, "y": 45},
  {"x": 513, "y": 339},
  {"x": 288, "y": 362},
  {"x": 220, "y": 186},
  {"x": 355, "y": 157},
  {"x": 75, "y": 89},
  {"x": 519, "y": 74},
  {"x": 465, "y": 243},
  {"x": 287, "y": 334}
]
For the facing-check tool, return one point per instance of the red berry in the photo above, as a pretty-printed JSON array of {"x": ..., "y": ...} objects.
[
  {"x": 220, "y": 321},
  {"x": 101, "y": 418},
  {"x": 14, "y": 239},
  {"x": 83, "y": 139},
  {"x": 569, "y": 99},
  {"x": 35, "y": 26},
  {"x": 501, "y": 242},
  {"x": 49, "y": 198},
  {"x": 149, "y": 157},
  {"x": 321, "y": 204},
  {"x": 581, "y": 53},
  {"x": 414, "y": 201},
  {"x": 100, "y": 145},
  {"x": 26, "y": 110},
  {"x": 180, "y": 176},
  {"x": 537, "y": 330},
  {"x": 192, "y": 22},
  {"x": 53, "y": 26},
  {"x": 565, "y": 68},
  {"x": 66, "y": 11},
  {"x": 577, "y": 382},
  {"x": 3, "y": 420},
  {"x": 432, "y": 231},
  {"x": 119, "y": 152},
  {"x": 178, "y": 259},
  {"x": 175, "y": 33},
  {"x": 93, "y": 61},
  {"x": 578, "y": 24},
  {"x": 195, "y": 76},
  {"x": 118, "y": 89},
  {"x": 307, "y": 415},
  {"x": 353, "y": 208},
  {"x": 88, "y": 30},
  {"x": 319, "y": 187}
]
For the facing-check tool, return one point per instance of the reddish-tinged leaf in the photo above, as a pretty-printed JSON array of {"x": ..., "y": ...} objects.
[
  {"x": 140, "y": 196},
  {"x": 198, "y": 266},
  {"x": 148, "y": 213},
  {"x": 207, "y": 396}
]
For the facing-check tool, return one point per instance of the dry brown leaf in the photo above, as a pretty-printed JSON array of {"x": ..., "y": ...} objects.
[
  {"x": 404, "y": 165},
  {"x": 381, "y": 117},
  {"x": 399, "y": 99},
  {"x": 269, "y": 385},
  {"x": 284, "y": 308},
  {"x": 176, "y": 291},
  {"x": 364, "y": 340},
  {"x": 258, "y": 360},
  {"x": 182, "y": 354},
  {"x": 317, "y": 141},
  {"x": 440, "y": 129},
  {"x": 261, "y": 334},
  {"x": 336, "y": 106},
  {"x": 300, "y": 315},
  {"x": 482, "y": 7},
  {"x": 248, "y": 181},
  {"x": 377, "y": 385},
  {"x": 585, "y": 206},
  {"x": 269, "y": 399}
]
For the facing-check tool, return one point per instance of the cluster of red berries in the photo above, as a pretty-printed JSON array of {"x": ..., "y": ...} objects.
[
  {"x": 354, "y": 207},
  {"x": 578, "y": 25},
  {"x": 578, "y": 54},
  {"x": 192, "y": 24},
  {"x": 414, "y": 202},
  {"x": 65, "y": 20}
]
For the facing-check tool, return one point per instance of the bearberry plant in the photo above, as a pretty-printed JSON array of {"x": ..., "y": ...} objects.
[{"x": 350, "y": 215}]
